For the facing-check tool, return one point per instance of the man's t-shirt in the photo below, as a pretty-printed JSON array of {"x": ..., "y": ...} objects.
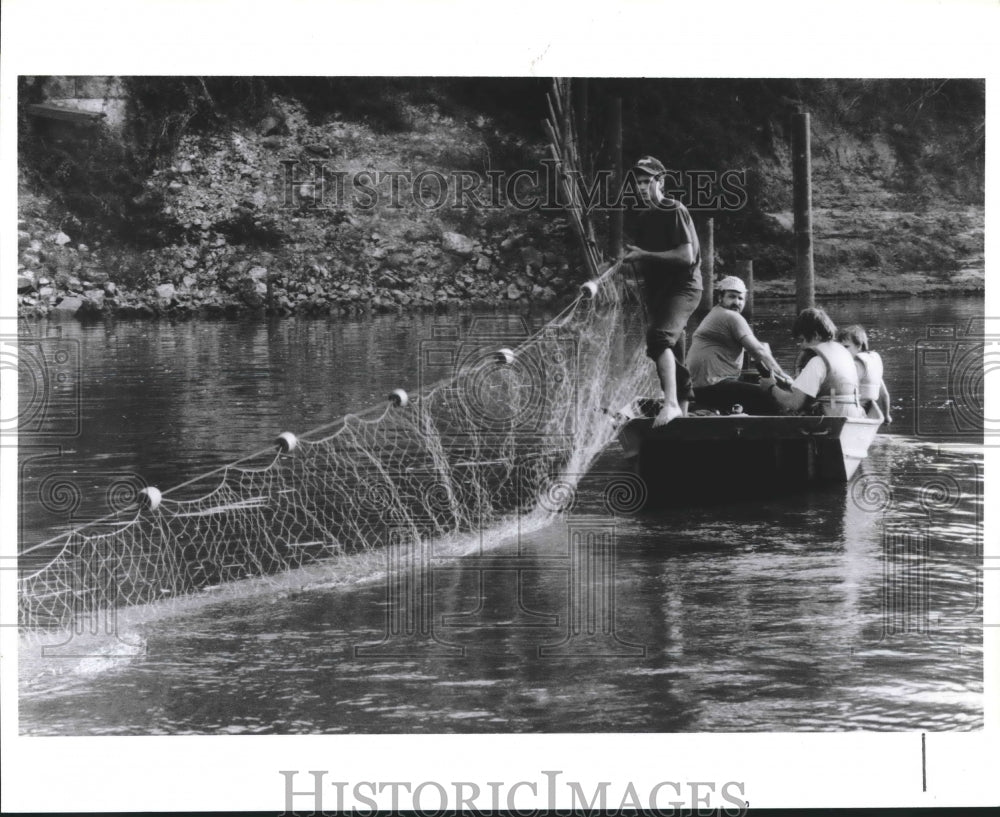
[
  {"x": 812, "y": 376},
  {"x": 716, "y": 352},
  {"x": 666, "y": 227}
]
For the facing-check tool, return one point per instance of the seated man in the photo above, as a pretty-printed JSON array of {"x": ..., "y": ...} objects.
[
  {"x": 716, "y": 355},
  {"x": 829, "y": 381}
]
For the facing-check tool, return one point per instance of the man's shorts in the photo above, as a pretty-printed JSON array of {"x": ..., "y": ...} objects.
[{"x": 669, "y": 310}]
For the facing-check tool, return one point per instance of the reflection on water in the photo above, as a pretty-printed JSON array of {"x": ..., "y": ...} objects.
[{"x": 853, "y": 607}]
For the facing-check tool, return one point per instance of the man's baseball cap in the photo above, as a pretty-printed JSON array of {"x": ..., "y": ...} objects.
[
  {"x": 650, "y": 166},
  {"x": 731, "y": 283}
]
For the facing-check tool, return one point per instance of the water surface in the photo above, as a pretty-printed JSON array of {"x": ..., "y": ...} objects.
[{"x": 850, "y": 607}]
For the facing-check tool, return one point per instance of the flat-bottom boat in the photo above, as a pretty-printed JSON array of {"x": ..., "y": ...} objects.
[{"x": 740, "y": 452}]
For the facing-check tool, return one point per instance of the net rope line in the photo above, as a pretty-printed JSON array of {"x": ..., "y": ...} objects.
[{"x": 466, "y": 453}]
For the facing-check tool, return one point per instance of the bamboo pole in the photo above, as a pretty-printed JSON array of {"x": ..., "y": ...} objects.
[
  {"x": 617, "y": 238},
  {"x": 560, "y": 128}
]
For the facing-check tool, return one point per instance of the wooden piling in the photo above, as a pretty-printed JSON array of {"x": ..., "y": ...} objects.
[
  {"x": 617, "y": 231},
  {"x": 707, "y": 268},
  {"x": 805, "y": 286},
  {"x": 745, "y": 271}
]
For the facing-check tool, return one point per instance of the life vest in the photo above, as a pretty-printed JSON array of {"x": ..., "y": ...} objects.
[
  {"x": 838, "y": 395},
  {"x": 869, "y": 365}
]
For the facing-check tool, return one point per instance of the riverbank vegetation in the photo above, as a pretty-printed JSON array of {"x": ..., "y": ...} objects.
[{"x": 321, "y": 195}]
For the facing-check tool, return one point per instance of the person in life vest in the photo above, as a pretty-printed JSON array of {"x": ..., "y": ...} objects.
[
  {"x": 716, "y": 355},
  {"x": 828, "y": 383},
  {"x": 667, "y": 254},
  {"x": 871, "y": 386}
]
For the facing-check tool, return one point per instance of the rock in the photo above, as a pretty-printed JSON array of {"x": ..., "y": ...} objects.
[
  {"x": 166, "y": 292},
  {"x": 513, "y": 293},
  {"x": 785, "y": 222},
  {"x": 420, "y": 232},
  {"x": 511, "y": 241},
  {"x": 532, "y": 257},
  {"x": 257, "y": 273},
  {"x": 185, "y": 167},
  {"x": 272, "y": 142},
  {"x": 189, "y": 263},
  {"x": 458, "y": 244},
  {"x": 270, "y": 124},
  {"x": 82, "y": 248},
  {"x": 25, "y": 282},
  {"x": 189, "y": 281},
  {"x": 483, "y": 264},
  {"x": 110, "y": 289},
  {"x": 60, "y": 238},
  {"x": 252, "y": 292},
  {"x": 23, "y": 239},
  {"x": 47, "y": 292},
  {"x": 317, "y": 149},
  {"x": 68, "y": 306},
  {"x": 175, "y": 187},
  {"x": 398, "y": 260}
]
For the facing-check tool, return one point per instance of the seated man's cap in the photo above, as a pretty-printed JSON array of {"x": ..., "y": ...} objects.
[
  {"x": 731, "y": 282},
  {"x": 650, "y": 165}
]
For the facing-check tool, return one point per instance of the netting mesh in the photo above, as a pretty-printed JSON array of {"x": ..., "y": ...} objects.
[{"x": 512, "y": 426}]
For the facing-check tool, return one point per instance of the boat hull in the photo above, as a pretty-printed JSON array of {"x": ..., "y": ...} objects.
[{"x": 744, "y": 454}]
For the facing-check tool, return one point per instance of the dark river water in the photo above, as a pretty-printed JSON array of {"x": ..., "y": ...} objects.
[{"x": 852, "y": 607}]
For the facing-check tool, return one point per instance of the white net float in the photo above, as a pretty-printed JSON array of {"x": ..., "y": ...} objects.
[
  {"x": 505, "y": 356},
  {"x": 150, "y": 498},
  {"x": 399, "y": 398},
  {"x": 589, "y": 289},
  {"x": 286, "y": 442}
]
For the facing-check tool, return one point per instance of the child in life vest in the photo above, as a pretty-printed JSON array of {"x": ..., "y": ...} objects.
[{"x": 872, "y": 387}]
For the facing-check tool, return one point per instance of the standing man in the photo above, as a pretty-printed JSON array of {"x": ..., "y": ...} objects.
[
  {"x": 716, "y": 355},
  {"x": 668, "y": 255}
]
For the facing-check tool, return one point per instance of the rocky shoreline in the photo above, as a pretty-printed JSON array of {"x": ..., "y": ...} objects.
[
  {"x": 59, "y": 278},
  {"x": 227, "y": 234}
]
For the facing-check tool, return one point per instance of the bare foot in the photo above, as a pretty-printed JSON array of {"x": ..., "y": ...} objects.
[{"x": 670, "y": 411}]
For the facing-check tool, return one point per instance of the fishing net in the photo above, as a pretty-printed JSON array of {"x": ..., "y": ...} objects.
[{"x": 509, "y": 431}]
